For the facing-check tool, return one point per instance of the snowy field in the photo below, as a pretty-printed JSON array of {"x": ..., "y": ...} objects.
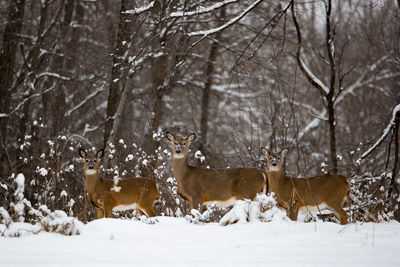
[{"x": 177, "y": 242}]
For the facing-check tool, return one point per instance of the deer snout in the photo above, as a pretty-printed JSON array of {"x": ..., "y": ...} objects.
[
  {"x": 91, "y": 167},
  {"x": 274, "y": 164},
  {"x": 178, "y": 150}
]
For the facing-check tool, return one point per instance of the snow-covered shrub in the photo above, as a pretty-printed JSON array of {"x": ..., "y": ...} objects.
[
  {"x": 58, "y": 222},
  {"x": 212, "y": 213},
  {"x": 42, "y": 219},
  {"x": 370, "y": 198},
  {"x": 18, "y": 205},
  {"x": 262, "y": 209},
  {"x": 5, "y": 218}
]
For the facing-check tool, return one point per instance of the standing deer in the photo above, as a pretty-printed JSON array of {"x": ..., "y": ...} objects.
[
  {"x": 325, "y": 191},
  {"x": 131, "y": 193},
  {"x": 205, "y": 186}
]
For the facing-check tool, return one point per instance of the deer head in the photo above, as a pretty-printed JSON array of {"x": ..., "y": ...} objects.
[
  {"x": 180, "y": 145},
  {"x": 91, "y": 163},
  {"x": 274, "y": 160}
]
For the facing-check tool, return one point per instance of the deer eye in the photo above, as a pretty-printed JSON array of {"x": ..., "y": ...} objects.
[
  {"x": 94, "y": 160},
  {"x": 278, "y": 158},
  {"x": 176, "y": 143},
  {"x": 184, "y": 143},
  {"x": 87, "y": 160}
]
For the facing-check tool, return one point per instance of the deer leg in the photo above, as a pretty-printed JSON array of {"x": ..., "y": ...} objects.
[
  {"x": 339, "y": 212},
  {"x": 100, "y": 213},
  {"x": 293, "y": 211},
  {"x": 197, "y": 204},
  {"x": 139, "y": 211},
  {"x": 107, "y": 210},
  {"x": 148, "y": 211}
]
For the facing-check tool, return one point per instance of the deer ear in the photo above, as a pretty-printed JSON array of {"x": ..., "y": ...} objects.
[
  {"x": 100, "y": 153},
  {"x": 264, "y": 151},
  {"x": 82, "y": 153},
  {"x": 191, "y": 137},
  {"x": 170, "y": 136},
  {"x": 284, "y": 152}
]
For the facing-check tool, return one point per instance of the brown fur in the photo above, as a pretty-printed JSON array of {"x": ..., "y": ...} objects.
[
  {"x": 295, "y": 193},
  {"x": 199, "y": 185},
  {"x": 104, "y": 195}
]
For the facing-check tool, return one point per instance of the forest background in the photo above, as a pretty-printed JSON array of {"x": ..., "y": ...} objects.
[{"x": 319, "y": 77}]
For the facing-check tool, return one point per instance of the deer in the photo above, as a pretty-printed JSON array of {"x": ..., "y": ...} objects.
[
  {"x": 324, "y": 191},
  {"x": 203, "y": 187},
  {"x": 107, "y": 196}
]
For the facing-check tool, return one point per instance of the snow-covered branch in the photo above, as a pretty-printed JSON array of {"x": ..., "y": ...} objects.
[
  {"x": 360, "y": 82},
  {"x": 389, "y": 127},
  {"x": 54, "y": 75},
  {"x": 92, "y": 95},
  {"x": 361, "y": 79},
  {"x": 317, "y": 83},
  {"x": 137, "y": 11},
  {"x": 3, "y": 115},
  {"x": 313, "y": 79},
  {"x": 201, "y": 10},
  {"x": 228, "y": 24}
]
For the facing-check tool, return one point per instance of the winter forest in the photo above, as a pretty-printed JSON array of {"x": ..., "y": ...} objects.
[{"x": 319, "y": 77}]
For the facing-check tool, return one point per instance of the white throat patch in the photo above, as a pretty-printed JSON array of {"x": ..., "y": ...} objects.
[
  {"x": 90, "y": 172},
  {"x": 274, "y": 168},
  {"x": 178, "y": 156}
]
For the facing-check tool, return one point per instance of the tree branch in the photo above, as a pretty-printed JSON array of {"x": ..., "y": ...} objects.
[
  {"x": 317, "y": 83},
  {"x": 388, "y": 128},
  {"x": 228, "y": 24}
]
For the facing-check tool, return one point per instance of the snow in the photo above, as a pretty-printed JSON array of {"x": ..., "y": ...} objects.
[
  {"x": 198, "y": 155},
  {"x": 177, "y": 242},
  {"x": 4, "y": 186},
  {"x": 139, "y": 10},
  {"x": 129, "y": 157},
  {"x": 42, "y": 171}
]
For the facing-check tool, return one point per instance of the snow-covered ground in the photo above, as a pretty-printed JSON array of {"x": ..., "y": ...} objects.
[{"x": 177, "y": 242}]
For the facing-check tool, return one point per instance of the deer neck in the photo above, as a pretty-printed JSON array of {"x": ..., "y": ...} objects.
[
  {"x": 92, "y": 180},
  {"x": 180, "y": 169},
  {"x": 276, "y": 180}
]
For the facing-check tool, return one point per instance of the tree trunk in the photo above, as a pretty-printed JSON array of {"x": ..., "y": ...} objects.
[
  {"x": 58, "y": 108},
  {"x": 393, "y": 185},
  {"x": 7, "y": 61},
  {"x": 207, "y": 86},
  {"x": 117, "y": 82},
  {"x": 159, "y": 75},
  {"x": 332, "y": 133}
]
